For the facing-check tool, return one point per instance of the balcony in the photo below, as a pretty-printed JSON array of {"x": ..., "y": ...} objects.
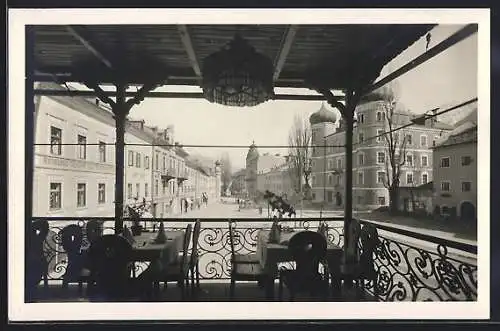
[
  {"x": 410, "y": 266},
  {"x": 168, "y": 174}
]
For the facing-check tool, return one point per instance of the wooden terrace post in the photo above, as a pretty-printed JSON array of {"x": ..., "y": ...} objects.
[{"x": 121, "y": 110}]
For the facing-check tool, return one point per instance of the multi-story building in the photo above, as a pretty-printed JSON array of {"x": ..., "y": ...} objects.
[
  {"x": 276, "y": 180},
  {"x": 238, "y": 184},
  {"x": 370, "y": 153},
  {"x": 455, "y": 173},
  {"x": 75, "y": 167},
  {"x": 76, "y": 179},
  {"x": 257, "y": 165}
]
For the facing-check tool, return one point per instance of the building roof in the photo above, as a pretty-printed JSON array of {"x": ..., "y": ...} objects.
[
  {"x": 323, "y": 115},
  {"x": 463, "y": 134},
  {"x": 253, "y": 152},
  {"x": 268, "y": 161}
]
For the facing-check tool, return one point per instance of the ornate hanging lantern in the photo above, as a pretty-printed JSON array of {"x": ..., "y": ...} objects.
[{"x": 237, "y": 75}]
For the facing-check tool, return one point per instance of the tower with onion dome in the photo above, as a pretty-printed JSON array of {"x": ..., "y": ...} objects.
[{"x": 323, "y": 124}]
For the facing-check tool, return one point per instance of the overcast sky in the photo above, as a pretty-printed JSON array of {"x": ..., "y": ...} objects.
[{"x": 448, "y": 78}]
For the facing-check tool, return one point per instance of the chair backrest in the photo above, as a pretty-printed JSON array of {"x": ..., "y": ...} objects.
[
  {"x": 231, "y": 239},
  {"x": 71, "y": 238},
  {"x": 369, "y": 241},
  {"x": 196, "y": 236},
  {"x": 94, "y": 230},
  {"x": 39, "y": 232},
  {"x": 109, "y": 263},
  {"x": 307, "y": 249},
  {"x": 353, "y": 244},
  {"x": 37, "y": 263},
  {"x": 185, "y": 249}
]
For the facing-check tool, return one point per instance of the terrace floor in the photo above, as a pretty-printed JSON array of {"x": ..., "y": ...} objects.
[{"x": 210, "y": 291}]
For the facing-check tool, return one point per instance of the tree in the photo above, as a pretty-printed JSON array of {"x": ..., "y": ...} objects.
[
  {"x": 226, "y": 171},
  {"x": 299, "y": 150},
  {"x": 395, "y": 147}
]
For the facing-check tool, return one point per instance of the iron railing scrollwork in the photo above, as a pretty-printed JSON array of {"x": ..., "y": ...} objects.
[{"x": 410, "y": 266}]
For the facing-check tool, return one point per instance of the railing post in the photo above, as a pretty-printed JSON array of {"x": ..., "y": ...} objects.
[{"x": 348, "y": 116}]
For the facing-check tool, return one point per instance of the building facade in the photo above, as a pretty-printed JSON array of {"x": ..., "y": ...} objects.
[
  {"x": 75, "y": 167},
  {"x": 257, "y": 169},
  {"x": 455, "y": 174},
  {"x": 370, "y": 153}
]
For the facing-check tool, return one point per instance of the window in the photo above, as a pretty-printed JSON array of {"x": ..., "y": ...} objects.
[
  {"x": 409, "y": 139},
  {"x": 164, "y": 163},
  {"x": 339, "y": 163},
  {"x": 434, "y": 140},
  {"x": 137, "y": 160},
  {"x": 425, "y": 161},
  {"x": 361, "y": 138},
  {"x": 466, "y": 160},
  {"x": 81, "y": 195},
  {"x": 313, "y": 180},
  {"x": 102, "y": 151},
  {"x": 381, "y": 201},
  {"x": 330, "y": 164},
  {"x": 101, "y": 193},
  {"x": 82, "y": 147},
  {"x": 380, "y": 157},
  {"x": 330, "y": 179},
  {"x": 466, "y": 186},
  {"x": 425, "y": 178},
  {"x": 137, "y": 190},
  {"x": 130, "y": 158},
  {"x": 360, "y": 178},
  {"x": 380, "y": 116},
  {"x": 156, "y": 187},
  {"x": 55, "y": 196},
  {"x": 445, "y": 162},
  {"x": 361, "y": 118},
  {"x": 129, "y": 191},
  {"x": 146, "y": 162},
  {"x": 409, "y": 178},
  {"x": 380, "y": 137},
  {"x": 409, "y": 160},
  {"x": 445, "y": 186},
  {"x": 361, "y": 159},
  {"x": 55, "y": 140},
  {"x": 157, "y": 161},
  {"x": 380, "y": 177},
  {"x": 423, "y": 141}
]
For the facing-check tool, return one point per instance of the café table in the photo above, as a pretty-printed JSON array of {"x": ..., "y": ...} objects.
[
  {"x": 145, "y": 249},
  {"x": 271, "y": 254}
]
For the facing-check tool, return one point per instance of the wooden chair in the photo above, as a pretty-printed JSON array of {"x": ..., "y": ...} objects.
[
  {"x": 308, "y": 250},
  {"x": 194, "y": 263},
  {"x": 37, "y": 265},
  {"x": 76, "y": 271},
  {"x": 360, "y": 266},
  {"x": 109, "y": 258},
  {"x": 242, "y": 268},
  {"x": 177, "y": 271}
]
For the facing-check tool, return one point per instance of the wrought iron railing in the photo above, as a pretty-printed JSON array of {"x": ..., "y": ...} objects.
[{"x": 411, "y": 266}]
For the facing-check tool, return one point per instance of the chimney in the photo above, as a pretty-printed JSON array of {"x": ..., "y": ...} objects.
[{"x": 433, "y": 119}]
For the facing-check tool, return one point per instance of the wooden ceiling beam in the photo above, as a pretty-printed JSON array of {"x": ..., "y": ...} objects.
[
  {"x": 173, "y": 95},
  {"x": 188, "y": 46},
  {"x": 85, "y": 40},
  {"x": 286, "y": 44}
]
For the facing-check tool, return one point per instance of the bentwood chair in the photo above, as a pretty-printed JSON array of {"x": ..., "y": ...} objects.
[
  {"x": 194, "y": 263},
  {"x": 177, "y": 271},
  {"x": 243, "y": 268},
  {"x": 308, "y": 250},
  {"x": 37, "y": 266},
  {"x": 110, "y": 268},
  {"x": 76, "y": 271}
]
